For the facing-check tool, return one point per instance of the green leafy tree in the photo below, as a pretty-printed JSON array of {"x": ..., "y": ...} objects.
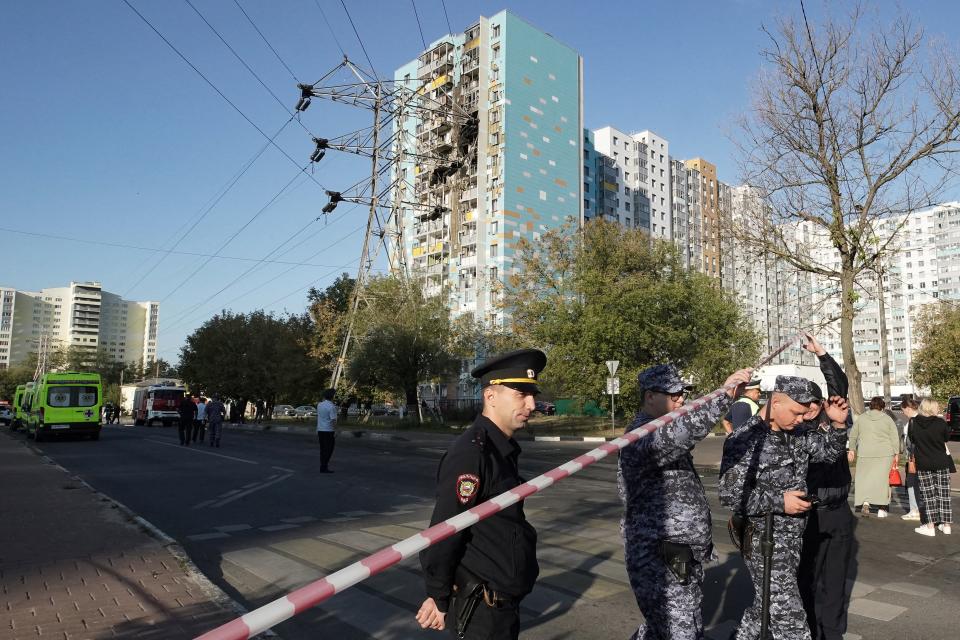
[
  {"x": 402, "y": 339},
  {"x": 608, "y": 293},
  {"x": 252, "y": 356},
  {"x": 329, "y": 310},
  {"x": 935, "y": 363}
]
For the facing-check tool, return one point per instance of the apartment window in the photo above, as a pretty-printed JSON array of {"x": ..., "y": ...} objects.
[
  {"x": 495, "y": 51},
  {"x": 496, "y": 31},
  {"x": 494, "y": 226},
  {"x": 494, "y": 250},
  {"x": 616, "y": 140},
  {"x": 586, "y": 187}
]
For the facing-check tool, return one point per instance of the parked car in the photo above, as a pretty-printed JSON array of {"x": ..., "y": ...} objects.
[
  {"x": 545, "y": 408},
  {"x": 284, "y": 411},
  {"x": 6, "y": 414},
  {"x": 952, "y": 415},
  {"x": 306, "y": 411}
]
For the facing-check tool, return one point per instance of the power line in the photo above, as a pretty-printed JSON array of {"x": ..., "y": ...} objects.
[
  {"x": 417, "y": 16},
  {"x": 133, "y": 247},
  {"x": 267, "y": 42},
  {"x": 359, "y": 39},
  {"x": 184, "y": 316},
  {"x": 449, "y": 28},
  {"x": 210, "y": 208},
  {"x": 246, "y": 66},
  {"x": 219, "y": 92},
  {"x": 231, "y": 238},
  {"x": 333, "y": 34}
]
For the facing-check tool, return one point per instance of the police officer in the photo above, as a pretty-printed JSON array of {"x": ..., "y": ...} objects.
[
  {"x": 666, "y": 522},
  {"x": 828, "y": 538},
  {"x": 764, "y": 470},
  {"x": 744, "y": 408},
  {"x": 475, "y": 579}
]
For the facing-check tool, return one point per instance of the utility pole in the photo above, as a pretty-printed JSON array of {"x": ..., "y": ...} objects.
[{"x": 363, "y": 268}]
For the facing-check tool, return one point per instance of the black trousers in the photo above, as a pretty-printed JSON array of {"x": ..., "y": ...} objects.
[
  {"x": 327, "y": 441},
  {"x": 198, "y": 430},
  {"x": 488, "y": 623},
  {"x": 184, "y": 427},
  {"x": 822, "y": 576}
]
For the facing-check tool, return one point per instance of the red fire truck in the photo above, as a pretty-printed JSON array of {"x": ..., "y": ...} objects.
[{"x": 157, "y": 404}]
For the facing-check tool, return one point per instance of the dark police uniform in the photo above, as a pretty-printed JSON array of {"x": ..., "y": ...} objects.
[
  {"x": 499, "y": 552},
  {"x": 828, "y": 538},
  {"x": 759, "y": 465}
]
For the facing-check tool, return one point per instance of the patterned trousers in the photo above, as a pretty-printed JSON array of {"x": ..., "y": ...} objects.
[
  {"x": 787, "y": 618},
  {"x": 935, "y": 496},
  {"x": 671, "y": 611}
]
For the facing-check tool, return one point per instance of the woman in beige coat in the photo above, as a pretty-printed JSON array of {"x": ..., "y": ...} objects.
[{"x": 875, "y": 445}]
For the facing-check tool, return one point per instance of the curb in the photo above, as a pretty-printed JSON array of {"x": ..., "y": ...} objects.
[{"x": 212, "y": 591}]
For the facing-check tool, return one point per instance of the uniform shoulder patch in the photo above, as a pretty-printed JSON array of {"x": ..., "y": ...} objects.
[{"x": 467, "y": 487}]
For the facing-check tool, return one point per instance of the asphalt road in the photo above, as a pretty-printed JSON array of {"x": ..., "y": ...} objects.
[{"x": 259, "y": 520}]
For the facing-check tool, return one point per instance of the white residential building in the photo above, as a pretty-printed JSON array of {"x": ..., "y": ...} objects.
[{"x": 79, "y": 315}]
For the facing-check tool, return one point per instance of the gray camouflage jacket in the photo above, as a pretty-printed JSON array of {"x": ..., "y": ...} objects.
[
  {"x": 759, "y": 465},
  {"x": 661, "y": 491}
]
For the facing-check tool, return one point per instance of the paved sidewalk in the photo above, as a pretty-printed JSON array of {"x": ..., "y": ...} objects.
[{"x": 75, "y": 565}]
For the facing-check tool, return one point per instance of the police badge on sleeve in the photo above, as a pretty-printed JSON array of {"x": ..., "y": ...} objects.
[{"x": 467, "y": 487}]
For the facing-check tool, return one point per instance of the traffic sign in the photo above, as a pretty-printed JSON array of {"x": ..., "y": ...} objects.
[
  {"x": 613, "y": 386},
  {"x": 612, "y": 366}
]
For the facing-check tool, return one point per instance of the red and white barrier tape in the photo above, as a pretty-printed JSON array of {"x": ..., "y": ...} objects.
[{"x": 300, "y": 600}]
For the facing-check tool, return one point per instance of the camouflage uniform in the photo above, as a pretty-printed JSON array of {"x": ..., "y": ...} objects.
[
  {"x": 759, "y": 466},
  {"x": 664, "y": 500}
]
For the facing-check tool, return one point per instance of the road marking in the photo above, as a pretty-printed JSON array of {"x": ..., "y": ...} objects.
[
  {"x": 230, "y": 528},
  {"x": 284, "y": 470},
  {"x": 911, "y": 589},
  {"x": 262, "y": 485},
  {"x": 207, "y": 536},
  {"x": 336, "y": 520},
  {"x": 875, "y": 610},
  {"x": 279, "y": 527},
  {"x": 207, "y": 453},
  {"x": 300, "y": 520}
]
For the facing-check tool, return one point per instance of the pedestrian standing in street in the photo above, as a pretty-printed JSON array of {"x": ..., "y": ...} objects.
[
  {"x": 930, "y": 434},
  {"x": 216, "y": 412},
  {"x": 199, "y": 420},
  {"x": 764, "y": 470},
  {"x": 910, "y": 408},
  {"x": 187, "y": 410},
  {"x": 116, "y": 413},
  {"x": 744, "y": 408},
  {"x": 327, "y": 428},
  {"x": 666, "y": 526},
  {"x": 828, "y": 538},
  {"x": 875, "y": 445},
  {"x": 260, "y": 410},
  {"x": 475, "y": 579}
]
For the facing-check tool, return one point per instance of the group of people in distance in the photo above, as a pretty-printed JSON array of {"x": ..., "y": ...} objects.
[{"x": 785, "y": 463}]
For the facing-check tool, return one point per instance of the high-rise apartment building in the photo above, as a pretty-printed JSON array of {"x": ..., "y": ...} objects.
[
  {"x": 512, "y": 171},
  {"x": 79, "y": 315}
]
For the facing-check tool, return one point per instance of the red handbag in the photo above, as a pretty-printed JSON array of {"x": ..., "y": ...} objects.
[{"x": 895, "y": 480}]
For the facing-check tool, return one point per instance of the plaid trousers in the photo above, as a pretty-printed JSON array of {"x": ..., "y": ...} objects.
[{"x": 935, "y": 496}]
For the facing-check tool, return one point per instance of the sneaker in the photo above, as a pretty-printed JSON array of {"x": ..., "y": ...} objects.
[
  {"x": 912, "y": 515},
  {"x": 926, "y": 531},
  {"x": 944, "y": 529},
  {"x": 882, "y": 513}
]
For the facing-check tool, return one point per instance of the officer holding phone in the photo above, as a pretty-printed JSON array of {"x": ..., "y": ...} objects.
[{"x": 764, "y": 470}]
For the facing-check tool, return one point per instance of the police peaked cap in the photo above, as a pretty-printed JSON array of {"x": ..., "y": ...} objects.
[{"x": 516, "y": 369}]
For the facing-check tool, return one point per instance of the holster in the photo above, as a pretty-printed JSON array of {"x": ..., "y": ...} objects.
[
  {"x": 678, "y": 558},
  {"x": 468, "y": 593},
  {"x": 741, "y": 533}
]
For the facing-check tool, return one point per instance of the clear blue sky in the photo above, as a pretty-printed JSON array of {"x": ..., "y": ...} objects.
[{"x": 108, "y": 135}]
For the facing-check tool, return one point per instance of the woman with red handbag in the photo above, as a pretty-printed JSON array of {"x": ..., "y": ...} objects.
[{"x": 875, "y": 445}]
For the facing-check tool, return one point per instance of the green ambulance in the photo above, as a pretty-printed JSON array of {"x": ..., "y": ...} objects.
[
  {"x": 21, "y": 397},
  {"x": 66, "y": 402}
]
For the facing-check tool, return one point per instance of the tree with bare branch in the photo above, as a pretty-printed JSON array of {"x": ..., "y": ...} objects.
[{"x": 854, "y": 123}]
